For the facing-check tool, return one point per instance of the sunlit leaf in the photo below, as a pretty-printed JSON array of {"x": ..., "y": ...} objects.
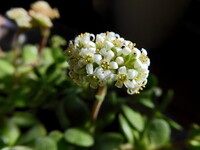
[
  {"x": 32, "y": 134},
  {"x": 30, "y": 54},
  {"x": 135, "y": 118},
  {"x": 6, "y": 68},
  {"x": 9, "y": 132},
  {"x": 126, "y": 128},
  {"x": 17, "y": 148},
  {"x": 56, "y": 135},
  {"x": 24, "y": 119},
  {"x": 45, "y": 143},
  {"x": 158, "y": 133},
  {"x": 78, "y": 137}
]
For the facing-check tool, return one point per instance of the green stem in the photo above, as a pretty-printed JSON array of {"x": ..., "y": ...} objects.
[
  {"x": 16, "y": 49},
  {"x": 102, "y": 91},
  {"x": 45, "y": 34}
]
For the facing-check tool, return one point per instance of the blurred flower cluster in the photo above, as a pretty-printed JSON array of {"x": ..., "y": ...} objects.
[{"x": 40, "y": 13}]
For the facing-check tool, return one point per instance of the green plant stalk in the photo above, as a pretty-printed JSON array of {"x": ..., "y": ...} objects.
[
  {"x": 16, "y": 49},
  {"x": 45, "y": 35},
  {"x": 102, "y": 91}
]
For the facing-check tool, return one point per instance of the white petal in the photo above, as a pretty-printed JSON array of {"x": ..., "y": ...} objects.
[
  {"x": 129, "y": 84},
  {"x": 119, "y": 60},
  {"x": 144, "y": 51},
  {"x": 99, "y": 38},
  {"x": 109, "y": 55},
  {"x": 119, "y": 50},
  {"x": 126, "y": 51},
  {"x": 122, "y": 70},
  {"x": 92, "y": 50},
  {"x": 132, "y": 73},
  {"x": 138, "y": 64},
  {"x": 108, "y": 44},
  {"x": 137, "y": 52},
  {"x": 89, "y": 68},
  {"x": 91, "y": 44},
  {"x": 113, "y": 65},
  {"x": 97, "y": 58},
  {"x": 130, "y": 91},
  {"x": 111, "y": 36}
]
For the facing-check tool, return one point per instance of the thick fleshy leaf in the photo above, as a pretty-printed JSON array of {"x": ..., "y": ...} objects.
[
  {"x": 56, "y": 135},
  {"x": 29, "y": 54},
  {"x": 158, "y": 133},
  {"x": 167, "y": 99},
  {"x": 6, "y": 68},
  {"x": 45, "y": 143},
  {"x": 9, "y": 133},
  {"x": 17, "y": 148},
  {"x": 109, "y": 141},
  {"x": 78, "y": 137},
  {"x": 32, "y": 134},
  {"x": 24, "y": 119},
  {"x": 47, "y": 56},
  {"x": 134, "y": 118},
  {"x": 126, "y": 128},
  {"x": 64, "y": 145},
  {"x": 147, "y": 102}
]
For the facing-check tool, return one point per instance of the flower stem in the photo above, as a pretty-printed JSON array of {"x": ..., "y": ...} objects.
[
  {"x": 16, "y": 48},
  {"x": 45, "y": 34},
  {"x": 102, "y": 91}
]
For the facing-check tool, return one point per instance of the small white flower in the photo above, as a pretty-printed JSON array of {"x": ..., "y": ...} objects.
[
  {"x": 119, "y": 60},
  {"x": 126, "y": 51},
  {"x": 108, "y": 44}
]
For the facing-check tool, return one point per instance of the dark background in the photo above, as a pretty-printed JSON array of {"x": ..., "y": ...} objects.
[{"x": 169, "y": 30}]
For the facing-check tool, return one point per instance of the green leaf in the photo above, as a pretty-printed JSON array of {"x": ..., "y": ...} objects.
[
  {"x": 9, "y": 132},
  {"x": 74, "y": 104},
  {"x": 78, "y": 137},
  {"x": 56, "y": 135},
  {"x": 134, "y": 118},
  {"x": 24, "y": 119},
  {"x": 109, "y": 141},
  {"x": 64, "y": 145},
  {"x": 6, "y": 68},
  {"x": 158, "y": 133},
  {"x": 126, "y": 129},
  {"x": 47, "y": 56},
  {"x": 45, "y": 143},
  {"x": 29, "y": 54},
  {"x": 152, "y": 81},
  {"x": 167, "y": 99},
  {"x": 174, "y": 124},
  {"x": 57, "y": 41},
  {"x": 17, "y": 148},
  {"x": 147, "y": 102},
  {"x": 32, "y": 134}
]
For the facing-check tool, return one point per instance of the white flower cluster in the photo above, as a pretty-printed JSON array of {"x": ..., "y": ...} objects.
[
  {"x": 106, "y": 57},
  {"x": 20, "y": 16},
  {"x": 40, "y": 13}
]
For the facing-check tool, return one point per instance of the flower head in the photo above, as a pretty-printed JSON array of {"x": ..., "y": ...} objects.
[
  {"x": 20, "y": 16},
  {"x": 106, "y": 57},
  {"x": 43, "y": 14},
  {"x": 44, "y": 8}
]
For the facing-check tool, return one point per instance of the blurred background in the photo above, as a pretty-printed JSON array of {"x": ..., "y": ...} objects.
[{"x": 169, "y": 30}]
